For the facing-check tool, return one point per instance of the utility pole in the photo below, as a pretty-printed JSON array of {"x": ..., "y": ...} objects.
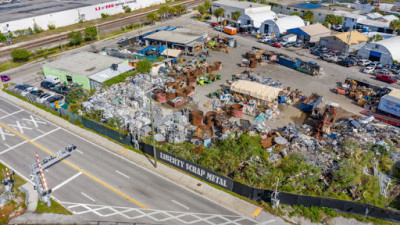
[{"x": 348, "y": 43}]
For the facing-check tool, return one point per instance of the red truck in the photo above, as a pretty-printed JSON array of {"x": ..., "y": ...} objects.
[{"x": 386, "y": 78}]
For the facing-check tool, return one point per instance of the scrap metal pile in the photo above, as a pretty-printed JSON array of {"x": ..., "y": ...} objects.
[{"x": 325, "y": 151}]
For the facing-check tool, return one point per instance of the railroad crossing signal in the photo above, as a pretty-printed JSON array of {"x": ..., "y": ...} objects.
[
  {"x": 39, "y": 166},
  {"x": 8, "y": 181}
]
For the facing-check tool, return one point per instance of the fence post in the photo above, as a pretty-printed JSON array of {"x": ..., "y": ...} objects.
[
  {"x": 275, "y": 199},
  {"x": 366, "y": 213}
]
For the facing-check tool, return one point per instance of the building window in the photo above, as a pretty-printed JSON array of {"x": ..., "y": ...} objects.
[
  {"x": 334, "y": 38},
  {"x": 302, "y": 11},
  {"x": 352, "y": 20},
  {"x": 287, "y": 8},
  {"x": 377, "y": 46},
  {"x": 319, "y": 14},
  {"x": 295, "y": 10}
]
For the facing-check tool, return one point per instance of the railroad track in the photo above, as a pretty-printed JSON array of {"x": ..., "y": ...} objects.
[{"x": 103, "y": 26}]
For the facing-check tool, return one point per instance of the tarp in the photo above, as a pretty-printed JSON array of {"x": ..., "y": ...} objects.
[
  {"x": 255, "y": 90},
  {"x": 171, "y": 52}
]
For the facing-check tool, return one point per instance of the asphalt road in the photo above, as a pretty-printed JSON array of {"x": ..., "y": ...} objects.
[{"x": 98, "y": 184}]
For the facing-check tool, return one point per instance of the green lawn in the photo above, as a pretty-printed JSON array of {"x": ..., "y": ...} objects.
[{"x": 54, "y": 208}]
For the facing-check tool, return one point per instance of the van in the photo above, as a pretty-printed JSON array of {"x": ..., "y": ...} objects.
[{"x": 52, "y": 79}]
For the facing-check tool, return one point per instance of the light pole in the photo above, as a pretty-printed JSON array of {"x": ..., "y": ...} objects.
[{"x": 152, "y": 130}]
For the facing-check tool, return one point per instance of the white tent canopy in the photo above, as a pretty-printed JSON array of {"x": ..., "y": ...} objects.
[
  {"x": 171, "y": 52},
  {"x": 281, "y": 25},
  {"x": 255, "y": 90},
  {"x": 255, "y": 19}
]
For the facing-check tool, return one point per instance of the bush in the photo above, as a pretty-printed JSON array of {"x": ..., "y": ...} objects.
[
  {"x": 104, "y": 15},
  {"x": 144, "y": 66},
  {"x": 37, "y": 29},
  {"x": 51, "y": 27},
  {"x": 118, "y": 79},
  {"x": 90, "y": 33},
  {"x": 127, "y": 9},
  {"x": 20, "y": 55},
  {"x": 75, "y": 38}
]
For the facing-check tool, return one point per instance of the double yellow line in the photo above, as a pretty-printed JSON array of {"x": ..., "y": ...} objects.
[{"x": 77, "y": 168}]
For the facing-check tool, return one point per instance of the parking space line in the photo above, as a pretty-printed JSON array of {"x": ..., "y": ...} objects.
[
  {"x": 11, "y": 114},
  {"x": 66, "y": 181},
  {"x": 80, "y": 152},
  {"x": 122, "y": 174},
  {"x": 180, "y": 204},
  {"x": 8, "y": 146},
  {"x": 34, "y": 139},
  {"x": 257, "y": 212},
  {"x": 125, "y": 150},
  {"x": 88, "y": 196},
  {"x": 40, "y": 130},
  {"x": 76, "y": 168}
]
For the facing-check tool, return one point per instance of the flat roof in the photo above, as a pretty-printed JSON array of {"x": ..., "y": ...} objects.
[
  {"x": 239, "y": 4},
  {"x": 180, "y": 36},
  {"x": 24, "y": 9},
  {"x": 110, "y": 73},
  {"x": 84, "y": 63},
  {"x": 307, "y": 5}
]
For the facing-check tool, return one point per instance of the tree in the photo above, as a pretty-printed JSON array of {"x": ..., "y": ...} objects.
[
  {"x": 144, "y": 66},
  {"x": 75, "y": 38},
  {"x": 90, "y": 33},
  {"x": 338, "y": 20},
  {"x": 171, "y": 11},
  {"x": 127, "y": 9},
  {"x": 333, "y": 19},
  {"x": 162, "y": 11},
  {"x": 207, "y": 5},
  {"x": 236, "y": 15},
  {"x": 308, "y": 16},
  {"x": 394, "y": 25},
  {"x": 375, "y": 38},
  {"x": 202, "y": 10},
  {"x": 180, "y": 9},
  {"x": 219, "y": 13},
  {"x": 20, "y": 55},
  {"x": 296, "y": 14},
  {"x": 152, "y": 17}
]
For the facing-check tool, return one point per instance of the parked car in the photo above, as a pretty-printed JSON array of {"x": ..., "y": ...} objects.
[
  {"x": 330, "y": 58},
  {"x": 122, "y": 40},
  {"x": 47, "y": 85},
  {"x": 22, "y": 87},
  {"x": 377, "y": 65},
  {"x": 364, "y": 62},
  {"x": 36, "y": 93},
  {"x": 386, "y": 78},
  {"x": 5, "y": 78},
  {"x": 52, "y": 99},
  {"x": 382, "y": 72},
  {"x": 53, "y": 79},
  {"x": 218, "y": 28},
  {"x": 368, "y": 69},
  {"x": 277, "y": 45},
  {"x": 345, "y": 63},
  {"x": 44, "y": 97},
  {"x": 28, "y": 90},
  {"x": 298, "y": 44},
  {"x": 214, "y": 24},
  {"x": 62, "y": 90},
  {"x": 265, "y": 39}
]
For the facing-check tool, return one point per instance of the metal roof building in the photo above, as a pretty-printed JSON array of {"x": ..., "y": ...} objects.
[
  {"x": 342, "y": 41},
  {"x": 244, "y": 7},
  {"x": 256, "y": 19},
  {"x": 311, "y": 33},
  {"x": 281, "y": 25},
  {"x": 87, "y": 69},
  {"x": 384, "y": 51},
  {"x": 179, "y": 38}
]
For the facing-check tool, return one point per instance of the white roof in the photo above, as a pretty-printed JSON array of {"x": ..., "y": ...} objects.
[
  {"x": 390, "y": 18},
  {"x": 256, "y": 90},
  {"x": 392, "y": 45},
  {"x": 257, "y": 17},
  {"x": 349, "y": 15},
  {"x": 239, "y": 4},
  {"x": 374, "y": 15},
  {"x": 110, "y": 73},
  {"x": 374, "y": 23},
  {"x": 171, "y": 52},
  {"x": 288, "y": 22},
  {"x": 387, "y": 7}
]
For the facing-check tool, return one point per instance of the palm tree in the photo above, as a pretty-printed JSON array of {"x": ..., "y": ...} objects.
[
  {"x": 394, "y": 25},
  {"x": 207, "y": 5},
  {"x": 219, "y": 13},
  {"x": 162, "y": 11},
  {"x": 171, "y": 11},
  {"x": 236, "y": 15},
  {"x": 202, "y": 10},
  {"x": 180, "y": 9},
  {"x": 152, "y": 17}
]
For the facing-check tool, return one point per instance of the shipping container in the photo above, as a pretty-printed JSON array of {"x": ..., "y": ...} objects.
[
  {"x": 311, "y": 102},
  {"x": 230, "y": 30}
]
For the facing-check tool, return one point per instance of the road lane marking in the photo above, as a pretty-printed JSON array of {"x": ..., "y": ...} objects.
[
  {"x": 79, "y": 151},
  {"x": 7, "y": 145},
  {"x": 125, "y": 150},
  {"x": 75, "y": 167},
  {"x": 269, "y": 221},
  {"x": 122, "y": 174},
  {"x": 40, "y": 131},
  {"x": 11, "y": 114},
  {"x": 180, "y": 204},
  {"x": 66, "y": 181},
  {"x": 88, "y": 197},
  {"x": 26, "y": 139},
  {"x": 3, "y": 135},
  {"x": 257, "y": 212}
]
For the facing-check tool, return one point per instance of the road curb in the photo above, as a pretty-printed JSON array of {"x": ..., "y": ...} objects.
[{"x": 225, "y": 199}]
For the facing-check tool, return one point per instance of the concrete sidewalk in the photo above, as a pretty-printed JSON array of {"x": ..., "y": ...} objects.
[{"x": 236, "y": 204}]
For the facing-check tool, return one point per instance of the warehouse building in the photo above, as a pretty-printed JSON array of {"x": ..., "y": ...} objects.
[
  {"x": 244, "y": 7},
  {"x": 255, "y": 19},
  {"x": 384, "y": 51},
  {"x": 181, "y": 39},
  {"x": 311, "y": 33},
  {"x": 351, "y": 41},
  {"x": 87, "y": 69},
  {"x": 277, "y": 27}
]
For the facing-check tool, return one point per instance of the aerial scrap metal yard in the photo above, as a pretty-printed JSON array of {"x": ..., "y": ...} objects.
[{"x": 234, "y": 112}]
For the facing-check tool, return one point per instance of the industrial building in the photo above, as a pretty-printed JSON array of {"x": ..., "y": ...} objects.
[
  {"x": 277, "y": 27},
  {"x": 22, "y": 15},
  {"x": 311, "y": 33},
  {"x": 384, "y": 51},
  {"x": 244, "y": 7},
  {"x": 87, "y": 69},
  {"x": 181, "y": 38},
  {"x": 345, "y": 41},
  {"x": 255, "y": 19}
]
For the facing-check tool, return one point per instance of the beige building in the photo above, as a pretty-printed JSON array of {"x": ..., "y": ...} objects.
[
  {"x": 311, "y": 33},
  {"x": 353, "y": 40}
]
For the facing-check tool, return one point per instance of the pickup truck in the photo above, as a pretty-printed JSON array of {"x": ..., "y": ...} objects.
[{"x": 386, "y": 78}]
